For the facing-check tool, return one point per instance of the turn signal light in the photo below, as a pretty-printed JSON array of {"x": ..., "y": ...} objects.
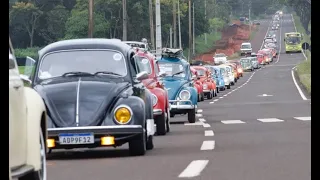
[
  {"x": 51, "y": 143},
  {"x": 107, "y": 141}
]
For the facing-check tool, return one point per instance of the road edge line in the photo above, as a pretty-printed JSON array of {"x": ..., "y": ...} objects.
[{"x": 296, "y": 84}]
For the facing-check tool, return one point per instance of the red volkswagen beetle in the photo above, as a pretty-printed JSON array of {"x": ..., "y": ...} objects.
[
  {"x": 198, "y": 84},
  {"x": 209, "y": 86},
  {"x": 261, "y": 58},
  {"x": 161, "y": 110}
]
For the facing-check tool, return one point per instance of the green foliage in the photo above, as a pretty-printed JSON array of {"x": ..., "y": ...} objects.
[
  {"x": 31, "y": 52},
  {"x": 304, "y": 73},
  {"x": 216, "y": 24}
]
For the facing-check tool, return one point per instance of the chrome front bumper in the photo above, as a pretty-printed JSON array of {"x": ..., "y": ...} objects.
[
  {"x": 206, "y": 90},
  {"x": 157, "y": 111},
  {"x": 177, "y": 104}
]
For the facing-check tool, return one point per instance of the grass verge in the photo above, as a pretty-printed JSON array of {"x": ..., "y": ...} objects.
[{"x": 304, "y": 68}]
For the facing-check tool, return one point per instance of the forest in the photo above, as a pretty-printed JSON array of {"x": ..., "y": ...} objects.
[{"x": 36, "y": 23}]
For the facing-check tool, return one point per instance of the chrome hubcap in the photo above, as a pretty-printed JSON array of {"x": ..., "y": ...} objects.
[{"x": 43, "y": 170}]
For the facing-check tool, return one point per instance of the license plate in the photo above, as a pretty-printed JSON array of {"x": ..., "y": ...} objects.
[{"x": 70, "y": 138}]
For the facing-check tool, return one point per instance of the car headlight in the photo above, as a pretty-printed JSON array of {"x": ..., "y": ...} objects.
[
  {"x": 184, "y": 95},
  {"x": 154, "y": 100},
  {"x": 123, "y": 114}
]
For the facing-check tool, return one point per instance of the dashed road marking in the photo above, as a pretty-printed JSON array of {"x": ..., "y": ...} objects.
[
  {"x": 221, "y": 97},
  {"x": 270, "y": 120},
  {"x": 303, "y": 118},
  {"x": 199, "y": 115},
  {"x": 208, "y": 133},
  {"x": 225, "y": 95},
  {"x": 194, "y": 169},
  {"x": 216, "y": 100},
  {"x": 198, "y": 123},
  {"x": 232, "y": 122},
  {"x": 199, "y": 111},
  {"x": 202, "y": 120},
  {"x": 207, "y": 145},
  {"x": 206, "y": 125},
  {"x": 211, "y": 102}
]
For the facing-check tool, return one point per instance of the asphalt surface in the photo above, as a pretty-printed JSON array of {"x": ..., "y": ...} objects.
[{"x": 240, "y": 135}]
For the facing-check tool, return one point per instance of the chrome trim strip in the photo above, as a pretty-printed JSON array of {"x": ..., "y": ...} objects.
[
  {"x": 77, "y": 103},
  {"x": 94, "y": 127}
]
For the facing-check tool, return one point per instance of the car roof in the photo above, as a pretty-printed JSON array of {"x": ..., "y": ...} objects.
[{"x": 86, "y": 43}]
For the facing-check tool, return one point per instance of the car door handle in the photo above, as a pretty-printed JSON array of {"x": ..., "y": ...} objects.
[{"x": 16, "y": 87}]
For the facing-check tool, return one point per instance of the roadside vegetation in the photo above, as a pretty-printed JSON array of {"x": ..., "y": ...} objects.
[{"x": 304, "y": 68}]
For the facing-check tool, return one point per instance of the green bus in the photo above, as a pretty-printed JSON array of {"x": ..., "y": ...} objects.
[{"x": 293, "y": 42}]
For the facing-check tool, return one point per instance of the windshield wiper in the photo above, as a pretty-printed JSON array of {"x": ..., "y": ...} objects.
[
  {"x": 77, "y": 73},
  {"x": 177, "y": 73},
  {"x": 107, "y": 72}
]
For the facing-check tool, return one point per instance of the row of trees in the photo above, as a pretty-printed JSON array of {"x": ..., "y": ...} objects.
[{"x": 40, "y": 22}]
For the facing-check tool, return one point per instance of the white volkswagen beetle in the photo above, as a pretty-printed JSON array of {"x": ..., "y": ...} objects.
[
  {"x": 229, "y": 70},
  {"x": 226, "y": 78},
  {"x": 27, "y": 128}
]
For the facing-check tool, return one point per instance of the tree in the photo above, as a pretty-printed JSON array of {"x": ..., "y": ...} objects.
[{"x": 27, "y": 15}]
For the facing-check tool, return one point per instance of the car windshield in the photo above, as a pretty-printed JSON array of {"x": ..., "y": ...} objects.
[
  {"x": 143, "y": 64},
  {"x": 201, "y": 72},
  {"x": 220, "y": 55},
  {"x": 171, "y": 68},
  {"x": 87, "y": 61},
  {"x": 244, "y": 60},
  {"x": 245, "y": 46},
  {"x": 138, "y": 45},
  {"x": 293, "y": 40}
]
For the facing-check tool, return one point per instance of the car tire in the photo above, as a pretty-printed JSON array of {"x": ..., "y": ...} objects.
[
  {"x": 42, "y": 173},
  {"x": 236, "y": 79},
  {"x": 192, "y": 116},
  {"x": 168, "y": 120},
  {"x": 217, "y": 89},
  {"x": 210, "y": 95},
  {"x": 172, "y": 114},
  {"x": 149, "y": 144},
  {"x": 241, "y": 75},
  {"x": 138, "y": 146},
  {"x": 228, "y": 86},
  {"x": 215, "y": 93},
  {"x": 202, "y": 97},
  {"x": 161, "y": 124}
]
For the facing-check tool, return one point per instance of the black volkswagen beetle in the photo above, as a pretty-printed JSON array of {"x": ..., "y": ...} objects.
[{"x": 94, "y": 95}]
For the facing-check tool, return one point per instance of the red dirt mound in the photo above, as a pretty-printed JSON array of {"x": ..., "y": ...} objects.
[{"x": 230, "y": 42}]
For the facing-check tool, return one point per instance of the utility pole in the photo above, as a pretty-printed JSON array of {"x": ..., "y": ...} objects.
[
  {"x": 124, "y": 20},
  {"x": 170, "y": 37},
  {"x": 174, "y": 24},
  {"x": 250, "y": 17},
  {"x": 193, "y": 38},
  {"x": 179, "y": 25},
  {"x": 190, "y": 33},
  {"x": 205, "y": 16},
  {"x": 90, "y": 22},
  {"x": 151, "y": 24},
  {"x": 158, "y": 28}
]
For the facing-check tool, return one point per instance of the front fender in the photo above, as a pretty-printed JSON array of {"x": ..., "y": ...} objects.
[
  {"x": 162, "y": 98},
  {"x": 35, "y": 112}
]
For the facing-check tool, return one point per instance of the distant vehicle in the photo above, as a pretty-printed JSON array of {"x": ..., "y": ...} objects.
[
  {"x": 197, "y": 84},
  {"x": 269, "y": 40},
  {"x": 271, "y": 34},
  {"x": 246, "y": 48},
  {"x": 27, "y": 127},
  {"x": 255, "y": 63},
  {"x": 216, "y": 74},
  {"x": 209, "y": 85},
  {"x": 256, "y": 22},
  {"x": 293, "y": 42},
  {"x": 230, "y": 73},
  {"x": 246, "y": 64},
  {"x": 136, "y": 44},
  {"x": 261, "y": 58},
  {"x": 269, "y": 55},
  {"x": 183, "y": 96},
  {"x": 239, "y": 67},
  {"x": 225, "y": 75},
  {"x": 220, "y": 58}
]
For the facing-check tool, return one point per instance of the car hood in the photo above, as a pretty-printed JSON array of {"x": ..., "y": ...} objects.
[
  {"x": 173, "y": 86},
  {"x": 79, "y": 101}
]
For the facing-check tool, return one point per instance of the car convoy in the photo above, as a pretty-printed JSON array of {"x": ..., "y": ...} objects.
[{"x": 88, "y": 93}]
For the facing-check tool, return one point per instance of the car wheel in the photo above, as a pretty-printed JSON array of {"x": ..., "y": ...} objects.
[
  {"x": 217, "y": 90},
  {"x": 241, "y": 75},
  {"x": 202, "y": 97},
  {"x": 199, "y": 97},
  {"x": 42, "y": 173},
  {"x": 192, "y": 116},
  {"x": 138, "y": 146},
  {"x": 172, "y": 114},
  {"x": 168, "y": 120},
  {"x": 228, "y": 86},
  {"x": 161, "y": 124},
  {"x": 215, "y": 93},
  {"x": 235, "y": 80}
]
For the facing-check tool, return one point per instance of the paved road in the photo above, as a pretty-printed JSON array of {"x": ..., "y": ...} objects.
[{"x": 239, "y": 135}]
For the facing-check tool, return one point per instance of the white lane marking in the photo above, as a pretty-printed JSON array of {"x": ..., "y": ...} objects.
[
  {"x": 221, "y": 97},
  {"x": 199, "y": 115},
  {"x": 208, "y": 133},
  {"x": 216, "y": 100},
  {"x": 297, "y": 86},
  {"x": 198, "y": 123},
  {"x": 295, "y": 28},
  {"x": 232, "y": 122},
  {"x": 225, "y": 95},
  {"x": 206, "y": 125},
  {"x": 270, "y": 120},
  {"x": 199, "y": 111},
  {"x": 303, "y": 118},
  {"x": 194, "y": 169},
  {"x": 207, "y": 145},
  {"x": 202, "y": 120},
  {"x": 211, "y": 102}
]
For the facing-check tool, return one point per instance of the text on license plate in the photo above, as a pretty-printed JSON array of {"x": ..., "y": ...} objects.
[{"x": 70, "y": 138}]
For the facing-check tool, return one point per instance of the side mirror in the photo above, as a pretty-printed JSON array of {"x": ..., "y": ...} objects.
[
  {"x": 25, "y": 79},
  {"x": 142, "y": 76}
]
